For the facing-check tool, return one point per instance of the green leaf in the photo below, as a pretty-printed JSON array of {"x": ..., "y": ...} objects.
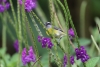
[
  {"x": 13, "y": 60},
  {"x": 44, "y": 60},
  {"x": 84, "y": 41},
  {"x": 6, "y": 58},
  {"x": 92, "y": 62},
  {"x": 14, "y": 57},
  {"x": 2, "y": 51}
]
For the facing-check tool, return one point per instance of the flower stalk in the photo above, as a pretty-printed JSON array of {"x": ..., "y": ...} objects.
[
  {"x": 67, "y": 38},
  {"x": 19, "y": 33},
  {"x": 24, "y": 25},
  {"x": 4, "y": 31},
  {"x": 34, "y": 42}
]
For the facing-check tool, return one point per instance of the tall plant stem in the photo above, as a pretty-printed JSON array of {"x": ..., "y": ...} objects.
[
  {"x": 4, "y": 32},
  {"x": 51, "y": 11},
  {"x": 95, "y": 44},
  {"x": 56, "y": 17},
  {"x": 13, "y": 11},
  {"x": 34, "y": 42},
  {"x": 19, "y": 33},
  {"x": 82, "y": 18},
  {"x": 38, "y": 19},
  {"x": 15, "y": 17},
  {"x": 67, "y": 37},
  {"x": 24, "y": 25},
  {"x": 49, "y": 58},
  {"x": 35, "y": 25},
  {"x": 71, "y": 22}
]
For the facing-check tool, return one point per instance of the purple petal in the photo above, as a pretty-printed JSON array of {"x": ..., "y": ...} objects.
[
  {"x": 24, "y": 60},
  {"x": 16, "y": 45},
  {"x": 2, "y": 8},
  {"x": 31, "y": 54},
  {"x": 7, "y": 5}
]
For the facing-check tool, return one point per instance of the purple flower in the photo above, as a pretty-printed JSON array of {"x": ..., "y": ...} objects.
[
  {"x": 65, "y": 60},
  {"x": 71, "y": 33},
  {"x": 45, "y": 42},
  {"x": 1, "y": 1},
  {"x": 16, "y": 45},
  {"x": 72, "y": 60},
  {"x": 4, "y": 5},
  {"x": 39, "y": 38},
  {"x": 7, "y": 5},
  {"x": 28, "y": 57},
  {"x": 31, "y": 55},
  {"x": 2, "y": 8},
  {"x": 81, "y": 54},
  {"x": 24, "y": 55},
  {"x": 29, "y": 4},
  {"x": 50, "y": 44}
]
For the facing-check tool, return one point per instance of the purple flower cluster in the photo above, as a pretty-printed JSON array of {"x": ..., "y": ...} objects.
[
  {"x": 16, "y": 45},
  {"x": 28, "y": 57},
  {"x": 65, "y": 60},
  {"x": 29, "y": 4},
  {"x": 4, "y": 5},
  {"x": 71, "y": 60},
  {"x": 45, "y": 42},
  {"x": 71, "y": 33},
  {"x": 81, "y": 54}
]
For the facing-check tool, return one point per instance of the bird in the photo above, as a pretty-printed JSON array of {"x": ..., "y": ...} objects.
[{"x": 52, "y": 30}]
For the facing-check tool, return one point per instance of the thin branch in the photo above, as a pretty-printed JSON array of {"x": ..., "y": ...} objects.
[
  {"x": 36, "y": 61},
  {"x": 95, "y": 44},
  {"x": 98, "y": 28},
  {"x": 72, "y": 44}
]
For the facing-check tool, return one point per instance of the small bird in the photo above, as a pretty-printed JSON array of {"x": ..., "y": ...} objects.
[{"x": 57, "y": 32}]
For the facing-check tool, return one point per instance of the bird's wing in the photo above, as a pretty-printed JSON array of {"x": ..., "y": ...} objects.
[{"x": 58, "y": 29}]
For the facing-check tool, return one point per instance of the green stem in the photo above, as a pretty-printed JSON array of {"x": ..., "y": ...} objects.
[
  {"x": 49, "y": 58},
  {"x": 35, "y": 25},
  {"x": 82, "y": 18},
  {"x": 10, "y": 33},
  {"x": 24, "y": 25},
  {"x": 14, "y": 15},
  {"x": 19, "y": 33},
  {"x": 61, "y": 17},
  {"x": 57, "y": 57},
  {"x": 35, "y": 47},
  {"x": 36, "y": 61},
  {"x": 4, "y": 35},
  {"x": 41, "y": 14},
  {"x": 10, "y": 20},
  {"x": 51, "y": 12},
  {"x": 52, "y": 21},
  {"x": 97, "y": 20},
  {"x": 56, "y": 60},
  {"x": 95, "y": 44},
  {"x": 38, "y": 19},
  {"x": 84, "y": 65},
  {"x": 4, "y": 22},
  {"x": 66, "y": 7},
  {"x": 71, "y": 22},
  {"x": 67, "y": 38},
  {"x": 12, "y": 8}
]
